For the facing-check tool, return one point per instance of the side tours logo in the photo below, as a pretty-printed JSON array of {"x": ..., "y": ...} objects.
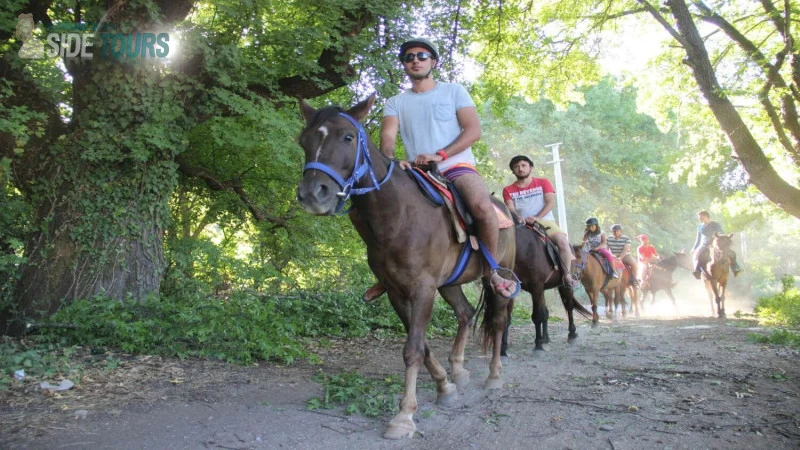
[{"x": 77, "y": 40}]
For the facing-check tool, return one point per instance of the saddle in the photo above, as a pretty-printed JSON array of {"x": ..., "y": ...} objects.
[
  {"x": 606, "y": 264},
  {"x": 442, "y": 192},
  {"x": 552, "y": 252}
]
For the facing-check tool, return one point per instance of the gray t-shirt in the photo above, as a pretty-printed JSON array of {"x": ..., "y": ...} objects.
[{"x": 428, "y": 121}]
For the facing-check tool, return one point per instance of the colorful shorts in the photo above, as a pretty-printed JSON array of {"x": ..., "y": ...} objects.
[{"x": 451, "y": 173}]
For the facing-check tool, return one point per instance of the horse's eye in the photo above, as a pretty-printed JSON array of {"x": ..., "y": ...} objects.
[{"x": 348, "y": 138}]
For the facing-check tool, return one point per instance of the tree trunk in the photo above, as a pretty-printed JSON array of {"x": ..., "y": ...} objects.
[{"x": 123, "y": 268}]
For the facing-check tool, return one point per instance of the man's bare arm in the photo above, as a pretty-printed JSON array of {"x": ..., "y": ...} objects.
[
  {"x": 549, "y": 204},
  {"x": 390, "y": 125}
]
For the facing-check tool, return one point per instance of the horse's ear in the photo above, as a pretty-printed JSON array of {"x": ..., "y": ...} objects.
[
  {"x": 360, "y": 111},
  {"x": 730, "y": 235},
  {"x": 306, "y": 109},
  {"x": 716, "y": 234}
]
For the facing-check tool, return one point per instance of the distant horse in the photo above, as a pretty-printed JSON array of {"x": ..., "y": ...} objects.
[
  {"x": 660, "y": 277},
  {"x": 595, "y": 281},
  {"x": 715, "y": 269},
  {"x": 538, "y": 272},
  {"x": 411, "y": 247}
]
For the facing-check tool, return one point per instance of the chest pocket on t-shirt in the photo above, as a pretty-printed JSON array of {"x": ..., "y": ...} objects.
[{"x": 444, "y": 111}]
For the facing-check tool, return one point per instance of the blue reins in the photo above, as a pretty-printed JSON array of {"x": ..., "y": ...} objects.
[{"x": 362, "y": 167}]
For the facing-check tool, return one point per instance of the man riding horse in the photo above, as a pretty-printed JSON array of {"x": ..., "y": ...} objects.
[
  {"x": 438, "y": 123},
  {"x": 620, "y": 247},
  {"x": 705, "y": 234},
  {"x": 532, "y": 200}
]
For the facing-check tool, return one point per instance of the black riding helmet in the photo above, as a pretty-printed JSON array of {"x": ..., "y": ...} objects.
[
  {"x": 419, "y": 42},
  {"x": 592, "y": 221},
  {"x": 517, "y": 159}
]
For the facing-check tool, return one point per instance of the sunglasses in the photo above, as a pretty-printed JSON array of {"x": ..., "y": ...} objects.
[{"x": 409, "y": 57}]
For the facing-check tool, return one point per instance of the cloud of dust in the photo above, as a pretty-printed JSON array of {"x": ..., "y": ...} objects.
[
  {"x": 690, "y": 294},
  {"x": 691, "y": 298}
]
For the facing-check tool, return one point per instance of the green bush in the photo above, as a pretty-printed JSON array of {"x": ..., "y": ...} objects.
[
  {"x": 241, "y": 328},
  {"x": 364, "y": 396},
  {"x": 782, "y": 309},
  {"x": 778, "y": 337}
]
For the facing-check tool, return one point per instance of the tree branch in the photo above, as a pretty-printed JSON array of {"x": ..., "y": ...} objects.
[
  {"x": 233, "y": 185},
  {"x": 660, "y": 19},
  {"x": 771, "y": 72},
  {"x": 748, "y": 152}
]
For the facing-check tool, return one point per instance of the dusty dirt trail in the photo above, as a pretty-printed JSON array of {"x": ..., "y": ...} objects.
[{"x": 648, "y": 383}]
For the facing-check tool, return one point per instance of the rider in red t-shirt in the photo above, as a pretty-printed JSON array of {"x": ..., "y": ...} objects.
[{"x": 647, "y": 255}]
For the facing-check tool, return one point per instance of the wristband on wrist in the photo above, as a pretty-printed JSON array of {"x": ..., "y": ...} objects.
[{"x": 443, "y": 154}]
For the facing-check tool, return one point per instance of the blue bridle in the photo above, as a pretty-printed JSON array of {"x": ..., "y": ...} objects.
[{"x": 362, "y": 167}]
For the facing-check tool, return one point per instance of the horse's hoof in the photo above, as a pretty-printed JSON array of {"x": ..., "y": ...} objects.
[
  {"x": 539, "y": 351},
  {"x": 401, "y": 427},
  {"x": 493, "y": 384},
  {"x": 504, "y": 359},
  {"x": 462, "y": 380},
  {"x": 448, "y": 398},
  {"x": 594, "y": 323},
  {"x": 571, "y": 338}
]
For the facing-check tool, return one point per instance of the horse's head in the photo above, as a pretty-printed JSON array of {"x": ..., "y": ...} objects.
[
  {"x": 722, "y": 241},
  {"x": 684, "y": 260},
  {"x": 336, "y": 155}
]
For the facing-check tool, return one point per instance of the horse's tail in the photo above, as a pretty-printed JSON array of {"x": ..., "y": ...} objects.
[
  {"x": 570, "y": 302},
  {"x": 494, "y": 317}
]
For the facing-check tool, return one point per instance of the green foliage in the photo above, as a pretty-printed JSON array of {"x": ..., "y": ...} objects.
[
  {"x": 777, "y": 337},
  {"x": 241, "y": 328},
  {"x": 39, "y": 360},
  {"x": 359, "y": 395},
  {"x": 14, "y": 212},
  {"x": 782, "y": 309},
  {"x": 615, "y": 161}
]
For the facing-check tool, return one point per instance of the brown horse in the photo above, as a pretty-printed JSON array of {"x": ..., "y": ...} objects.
[
  {"x": 411, "y": 248},
  {"x": 659, "y": 277},
  {"x": 715, "y": 271},
  {"x": 538, "y": 273},
  {"x": 594, "y": 280}
]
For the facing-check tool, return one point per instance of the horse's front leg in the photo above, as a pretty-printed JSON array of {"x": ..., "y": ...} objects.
[
  {"x": 721, "y": 302},
  {"x": 415, "y": 312},
  {"x": 712, "y": 297},
  {"x": 672, "y": 297},
  {"x": 464, "y": 311}
]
